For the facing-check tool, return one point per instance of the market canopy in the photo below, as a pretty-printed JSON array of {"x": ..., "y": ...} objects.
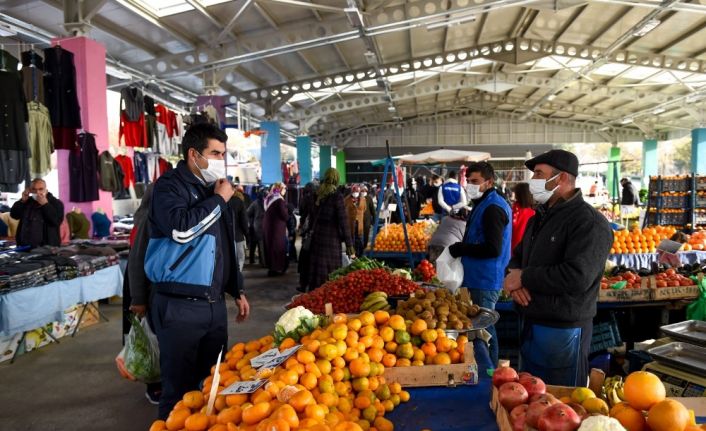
[{"x": 444, "y": 156}]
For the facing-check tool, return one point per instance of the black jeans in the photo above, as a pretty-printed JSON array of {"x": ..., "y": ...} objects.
[{"x": 190, "y": 334}]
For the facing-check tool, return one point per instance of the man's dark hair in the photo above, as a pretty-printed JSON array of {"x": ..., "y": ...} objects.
[
  {"x": 452, "y": 174},
  {"x": 435, "y": 177},
  {"x": 484, "y": 168},
  {"x": 197, "y": 137},
  {"x": 523, "y": 197}
]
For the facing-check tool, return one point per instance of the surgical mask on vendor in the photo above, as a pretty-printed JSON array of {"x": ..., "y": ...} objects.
[
  {"x": 539, "y": 191},
  {"x": 216, "y": 170},
  {"x": 473, "y": 191},
  {"x": 355, "y": 194},
  {"x": 364, "y": 194}
]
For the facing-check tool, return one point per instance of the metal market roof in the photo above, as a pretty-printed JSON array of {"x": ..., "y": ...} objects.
[{"x": 331, "y": 67}]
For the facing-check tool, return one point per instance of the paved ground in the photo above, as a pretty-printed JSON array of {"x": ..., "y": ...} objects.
[{"x": 75, "y": 386}]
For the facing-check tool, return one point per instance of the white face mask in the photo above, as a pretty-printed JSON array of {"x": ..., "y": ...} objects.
[
  {"x": 216, "y": 170},
  {"x": 473, "y": 191},
  {"x": 364, "y": 194},
  {"x": 355, "y": 194},
  {"x": 538, "y": 189}
]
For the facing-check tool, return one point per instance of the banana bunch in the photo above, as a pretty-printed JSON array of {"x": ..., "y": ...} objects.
[
  {"x": 375, "y": 301},
  {"x": 612, "y": 390}
]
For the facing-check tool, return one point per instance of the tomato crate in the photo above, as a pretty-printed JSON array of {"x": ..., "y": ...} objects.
[
  {"x": 625, "y": 295},
  {"x": 674, "y": 292},
  {"x": 465, "y": 373}
]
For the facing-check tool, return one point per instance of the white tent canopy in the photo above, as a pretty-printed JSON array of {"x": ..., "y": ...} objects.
[{"x": 444, "y": 156}]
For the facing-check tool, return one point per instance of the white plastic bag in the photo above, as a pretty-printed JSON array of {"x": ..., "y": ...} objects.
[
  {"x": 449, "y": 271},
  {"x": 139, "y": 358}
]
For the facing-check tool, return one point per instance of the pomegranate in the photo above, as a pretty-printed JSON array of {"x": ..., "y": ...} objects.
[
  {"x": 518, "y": 417},
  {"x": 511, "y": 395},
  {"x": 535, "y": 410},
  {"x": 559, "y": 417},
  {"x": 543, "y": 397},
  {"x": 579, "y": 409},
  {"x": 534, "y": 385},
  {"x": 504, "y": 375}
]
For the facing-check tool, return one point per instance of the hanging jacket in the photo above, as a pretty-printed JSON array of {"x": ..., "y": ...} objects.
[
  {"x": 83, "y": 166},
  {"x": 133, "y": 101},
  {"x": 142, "y": 174},
  {"x": 41, "y": 140},
  {"x": 126, "y": 164},
  {"x": 108, "y": 176},
  {"x": 33, "y": 76},
  {"x": 60, "y": 88},
  {"x": 135, "y": 132},
  {"x": 13, "y": 109}
]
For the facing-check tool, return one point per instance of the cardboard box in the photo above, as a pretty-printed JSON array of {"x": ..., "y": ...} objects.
[
  {"x": 465, "y": 373},
  {"x": 90, "y": 317}
]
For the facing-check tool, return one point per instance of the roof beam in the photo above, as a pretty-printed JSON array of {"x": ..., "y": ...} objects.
[
  {"x": 196, "y": 4},
  {"x": 153, "y": 19},
  {"x": 229, "y": 27},
  {"x": 682, "y": 37}
]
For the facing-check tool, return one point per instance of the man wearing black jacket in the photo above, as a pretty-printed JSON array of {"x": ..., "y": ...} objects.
[
  {"x": 555, "y": 273},
  {"x": 40, "y": 215},
  {"x": 237, "y": 204}
]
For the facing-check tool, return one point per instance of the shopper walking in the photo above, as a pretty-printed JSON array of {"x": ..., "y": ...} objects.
[
  {"x": 191, "y": 262},
  {"x": 329, "y": 229},
  {"x": 356, "y": 207},
  {"x": 556, "y": 271},
  {"x": 40, "y": 214},
  {"x": 449, "y": 232},
  {"x": 485, "y": 249},
  {"x": 237, "y": 205},
  {"x": 256, "y": 214},
  {"x": 451, "y": 195},
  {"x": 413, "y": 199},
  {"x": 522, "y": 212},
  {"x": 306, "y": 210},
  {"x": 274, "y": 229},
  {"x": 369, "y": 216}
]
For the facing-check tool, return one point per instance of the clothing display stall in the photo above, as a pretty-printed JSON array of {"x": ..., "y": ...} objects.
[{"x": 14, "y": 146}]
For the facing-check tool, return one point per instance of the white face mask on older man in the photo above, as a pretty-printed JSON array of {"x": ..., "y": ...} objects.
[{"x": 539, "y": 191}]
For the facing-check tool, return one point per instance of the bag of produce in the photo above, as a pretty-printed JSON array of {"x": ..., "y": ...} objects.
[
  {"x": 449, "y": 271},
  {"x": 139, "y": 358},
  {"x": 697, "y": 309}
]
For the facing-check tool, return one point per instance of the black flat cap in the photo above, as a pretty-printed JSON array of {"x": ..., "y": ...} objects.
[{"x": 558, "y": 159}]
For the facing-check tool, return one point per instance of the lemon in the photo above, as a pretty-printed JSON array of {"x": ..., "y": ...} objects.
[{"x": 579, "y": 395}]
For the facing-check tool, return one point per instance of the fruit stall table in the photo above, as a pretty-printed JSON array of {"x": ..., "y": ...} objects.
[
  {"x": 645, "y": 260},
  {"x": 461, "y": 408},
  {"x": 396, "y": 259},
  {"x": 31, "y": 308}
]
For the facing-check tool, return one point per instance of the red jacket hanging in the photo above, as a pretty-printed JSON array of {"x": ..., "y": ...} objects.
[
  {"x": 134, "y": 131},
  {"x": 128, "y": 171}
]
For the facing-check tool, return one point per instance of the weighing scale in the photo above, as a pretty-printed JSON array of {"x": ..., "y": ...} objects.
[{"x": 677, "y": 382}]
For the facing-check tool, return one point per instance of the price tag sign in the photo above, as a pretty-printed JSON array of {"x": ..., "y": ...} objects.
[
  {"x": 392, "y": 207},
  {"x": 246, "y": 387},
  {"x": 281, "y": 357},
  {"x": 264, "y": 358}
]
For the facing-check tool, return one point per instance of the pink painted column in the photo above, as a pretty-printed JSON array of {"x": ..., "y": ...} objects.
[{"x": 91, "y": 88}]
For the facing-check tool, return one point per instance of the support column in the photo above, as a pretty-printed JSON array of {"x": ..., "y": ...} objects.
[
  {"x": 324, "y": 160},
  {"x": 613, "y": 172},
  {"x": 91, "y": 89},
  {"x": 649, "y": 160},
  {"x": 341, "y": 165},
  {"x": 698, "y": 151},
  {"x": 270, "y": 157},
  {"x": 304, "y": 158}
]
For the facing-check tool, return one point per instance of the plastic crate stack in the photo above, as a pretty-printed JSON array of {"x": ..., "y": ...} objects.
[{"x": 670, "y": 201}]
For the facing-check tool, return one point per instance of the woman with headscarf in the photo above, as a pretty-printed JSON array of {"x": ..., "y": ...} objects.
[
  {"x": 274, "y": 229},
  {"x": 356, "y": 206},
  {"x": 329, "y": 228}
]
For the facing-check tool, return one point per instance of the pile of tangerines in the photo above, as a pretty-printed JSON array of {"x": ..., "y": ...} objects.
[
  {"x": 334, "y": 382},
  {"x": 391, "y": 237},
  {"x": 641, "y": 241}
]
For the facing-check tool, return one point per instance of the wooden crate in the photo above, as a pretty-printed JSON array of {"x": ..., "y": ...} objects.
[
  {"x": 674, "y": 292},
  {"x": 502, "y": 416},
  {"x": 465, "y": 373},
  {"x": 625, "y": 295}
]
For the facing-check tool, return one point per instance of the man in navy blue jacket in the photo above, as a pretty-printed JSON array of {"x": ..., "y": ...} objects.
[{"x": 191, "y": 261}]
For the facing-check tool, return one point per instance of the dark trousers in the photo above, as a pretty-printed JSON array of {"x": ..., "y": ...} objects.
[
  {"x": 488, "y": 299},
  {"x": 190, "y": 334}
]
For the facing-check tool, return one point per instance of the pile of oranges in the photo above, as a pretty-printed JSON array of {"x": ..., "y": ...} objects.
[
  {"x": 640, "y": 241},
  {"x": 391, "y": 237},
  {"x": 644, "y": 392},
  {"x": 697, "y": 241},
  {"x": 334, "y": 382}
]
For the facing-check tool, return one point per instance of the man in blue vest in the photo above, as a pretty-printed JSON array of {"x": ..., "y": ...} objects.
[
  {"x": 485, "y": 249},
  {"x": 452, "y": 197},
  {"x": 192, "y": 263}
]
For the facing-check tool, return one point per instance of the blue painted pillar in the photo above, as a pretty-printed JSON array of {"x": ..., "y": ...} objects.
[
  {"x": 649, "y": 160},
  {"x": 270, "y": 153},
  {"x": 304, "y": 158},
  {"x": 324, "y": 160},
  {"x": 698, "y": 151}
]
